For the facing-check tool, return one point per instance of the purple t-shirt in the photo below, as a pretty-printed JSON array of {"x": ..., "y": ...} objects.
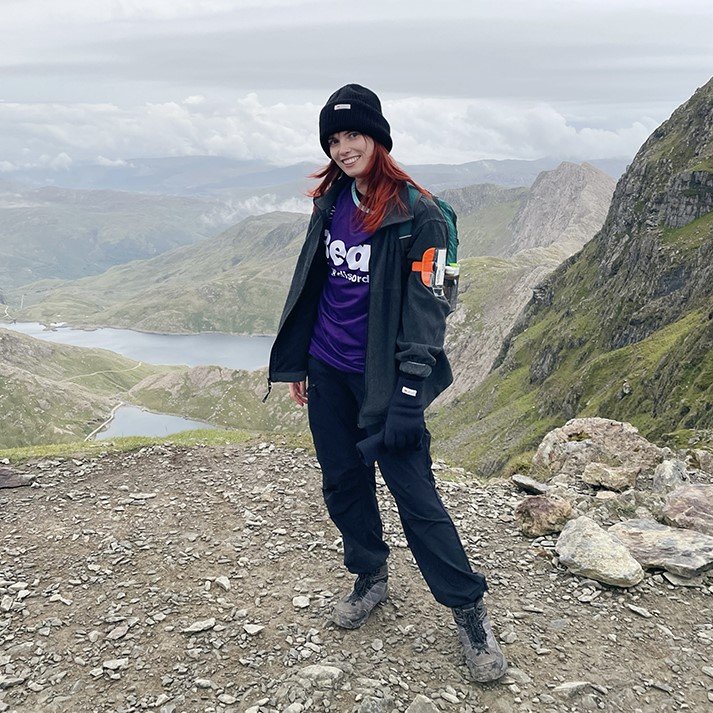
[{"x": 339, "y": 336}]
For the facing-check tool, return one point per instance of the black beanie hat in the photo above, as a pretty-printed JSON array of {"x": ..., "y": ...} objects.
[{"x": 357, "y": 108}]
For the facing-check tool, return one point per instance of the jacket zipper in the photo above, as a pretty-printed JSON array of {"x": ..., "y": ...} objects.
[{"x": 287, "y": 316}]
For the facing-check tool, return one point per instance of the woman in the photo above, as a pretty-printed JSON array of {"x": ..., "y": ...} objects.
[{"x": 361, "y": 344}]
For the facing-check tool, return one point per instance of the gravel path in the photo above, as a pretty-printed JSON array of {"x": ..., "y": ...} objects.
[{"x": 199, "y": 579}]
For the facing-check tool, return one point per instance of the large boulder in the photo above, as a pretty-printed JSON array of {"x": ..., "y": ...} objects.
[
  {"x": 529, "y": 485},
  {"x": 691, "y": 506},
  {"x": 611, "y": 477},
  {"x": 701, "y": 460},
  {"x": 539, "y": 515},
  {"x": 590, "y": 551},
  {"x": 594, "y": 440},
  {"x": 686, "y": 553},
  {"x": 669, "y": 475}
]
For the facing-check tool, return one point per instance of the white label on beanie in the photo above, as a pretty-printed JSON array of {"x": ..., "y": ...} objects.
[{"x": 342, "y": 106}]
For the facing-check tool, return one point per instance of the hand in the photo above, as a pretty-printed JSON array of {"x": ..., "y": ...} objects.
[
  {"x": 405, "y": 425},
  {"x": 298, "y": 392}
]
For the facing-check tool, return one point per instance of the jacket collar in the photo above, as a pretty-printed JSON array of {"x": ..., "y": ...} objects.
[{"x": 393, "y": 215}]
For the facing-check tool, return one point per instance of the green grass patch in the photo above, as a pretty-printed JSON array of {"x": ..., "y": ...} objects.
[
  {"x": 84, "y": 449},
  {"x": 486, "y": 231},
  {"x": 705, "y": 165},
  {"x": 691, "y": 236}
]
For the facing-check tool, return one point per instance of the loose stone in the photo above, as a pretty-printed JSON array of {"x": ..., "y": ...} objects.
[{"x": 197, "y": 627}]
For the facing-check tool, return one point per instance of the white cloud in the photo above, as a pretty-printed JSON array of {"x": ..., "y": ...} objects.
[
  {"x": 459, "y": 131},
  {"x": 104, "y": 161},
  {"x": 424, "y": 130},
  {"x": 232, "y": 211},
  {"x": 60, "y": 162}
]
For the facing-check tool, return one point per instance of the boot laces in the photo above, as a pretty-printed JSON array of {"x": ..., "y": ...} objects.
[
  {"x": 362, "y": 585},
  {"x": 472, "y": 622}
]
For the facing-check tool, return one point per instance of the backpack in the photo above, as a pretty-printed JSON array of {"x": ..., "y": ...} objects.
[{"x": 439, "y": 268}]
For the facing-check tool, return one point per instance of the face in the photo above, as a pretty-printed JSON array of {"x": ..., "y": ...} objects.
[{"x": 351, "y": 151}]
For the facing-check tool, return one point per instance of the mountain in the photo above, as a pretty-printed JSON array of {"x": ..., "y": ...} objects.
[
  {"x": 237, "y": 281},
  {"x": 565, "y": 205},
  {"x": 623, "y": 329},
  {"x": 234, "y": 282},
  {"x": 66, "y": 234},
  {"x": 562, "y": 210},
  {"x": 174, "y": 175},
  {"x": 507, "y": 172}
]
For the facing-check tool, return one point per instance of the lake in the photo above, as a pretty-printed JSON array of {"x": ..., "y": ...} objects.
[
  {"x": 133, "y": 421},
  {"x": 211, "y": 348},
  {"x": 231, "y": 350}
]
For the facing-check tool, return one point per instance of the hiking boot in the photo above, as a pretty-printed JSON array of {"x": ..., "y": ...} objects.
[
  {"x": 485, "y": 660},
  {"x": 370, "y": 589}
]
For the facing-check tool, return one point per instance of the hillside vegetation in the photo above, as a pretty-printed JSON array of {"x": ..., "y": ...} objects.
[
  {"x": 624, "y": 328},
  {"x": 55, "y": 393},
  {"x": 58, "y": 233},
  {"x": 52, "y": 392},
  {"x": 235, "y": 282}
]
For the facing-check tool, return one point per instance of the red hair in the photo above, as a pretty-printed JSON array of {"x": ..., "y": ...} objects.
[{"x": 385, "y": 178}]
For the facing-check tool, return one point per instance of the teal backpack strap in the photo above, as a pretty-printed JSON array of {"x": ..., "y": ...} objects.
[
  {"x": 406, "y": 227},
  {"x": 449, "y": 216}
]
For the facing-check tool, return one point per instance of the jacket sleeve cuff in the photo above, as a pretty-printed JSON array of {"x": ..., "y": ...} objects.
[{"x": 415, "y": 370}]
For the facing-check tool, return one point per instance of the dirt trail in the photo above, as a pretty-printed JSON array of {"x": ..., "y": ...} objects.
[{"x": 106, "y": 562}]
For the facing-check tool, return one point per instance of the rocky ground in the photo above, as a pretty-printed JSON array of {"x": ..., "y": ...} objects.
[{"x": 180, "y": 580}]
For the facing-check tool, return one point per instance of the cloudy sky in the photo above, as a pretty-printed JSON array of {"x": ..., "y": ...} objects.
[{"x": 460, "y": 80}]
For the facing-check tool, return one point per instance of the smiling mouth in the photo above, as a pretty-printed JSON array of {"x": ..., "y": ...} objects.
[{"x": 351, "y": 160}]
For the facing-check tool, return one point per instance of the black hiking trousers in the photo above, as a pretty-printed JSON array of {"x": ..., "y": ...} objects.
[{"x": 349, "y": 489}]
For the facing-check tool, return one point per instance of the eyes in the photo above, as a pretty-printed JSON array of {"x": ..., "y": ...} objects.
[{"x": 333, "y": 140}]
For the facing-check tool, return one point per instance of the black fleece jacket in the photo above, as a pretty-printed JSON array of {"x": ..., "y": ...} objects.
[{"x": 407, "y": 322}]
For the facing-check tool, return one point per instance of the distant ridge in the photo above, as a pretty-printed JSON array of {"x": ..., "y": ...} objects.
[{"x": 217, "y": 176}]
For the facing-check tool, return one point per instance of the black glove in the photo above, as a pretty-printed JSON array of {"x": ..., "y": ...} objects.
[{"x": 405, "y": 425}]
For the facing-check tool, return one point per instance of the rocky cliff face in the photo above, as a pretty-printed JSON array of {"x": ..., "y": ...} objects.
[
  {"x": 652, "y": 262},
  {"x": 623, "y": 329},
  {"x": 565, "y": 206},
  {"x": 562, "y": 211}
]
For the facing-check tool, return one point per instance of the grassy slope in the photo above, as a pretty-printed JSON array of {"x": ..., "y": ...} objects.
[
  {"x": 58, "y": 393},
  {"x": 54, "y": 392},
  {"x": 235, "y": 282},
  {"x": 486, "y": 231},
  {"x": 224, "y": 397},
  {"x": 70, "y": 234},
  {"x": 670, "y": 374}
]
